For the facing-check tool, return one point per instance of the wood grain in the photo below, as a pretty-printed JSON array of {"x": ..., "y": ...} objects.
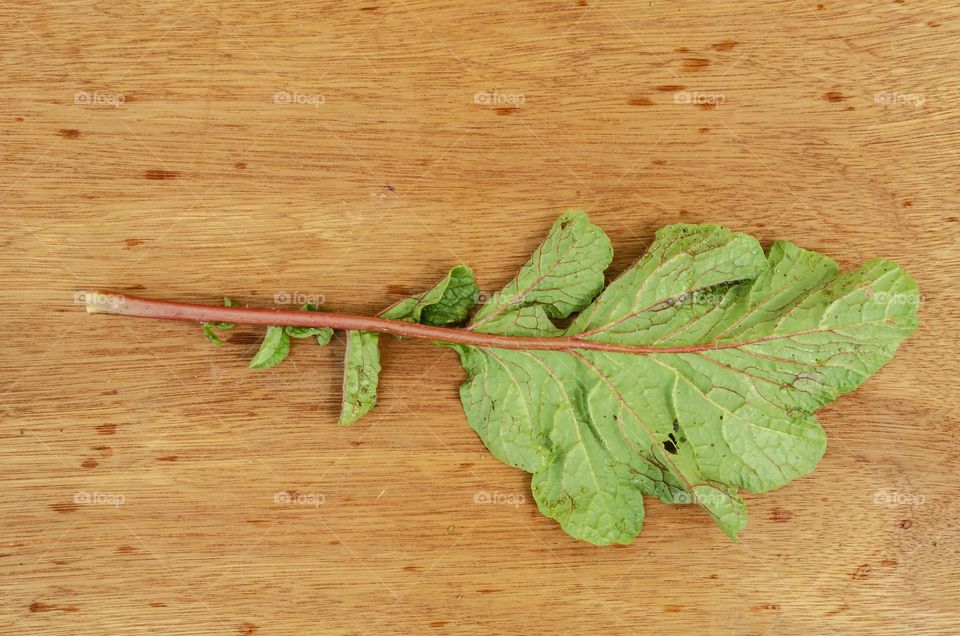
[{"x": 141, "y": 149}]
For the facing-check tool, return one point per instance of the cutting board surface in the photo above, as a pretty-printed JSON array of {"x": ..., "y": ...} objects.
[{"x": 349, "y": 153}]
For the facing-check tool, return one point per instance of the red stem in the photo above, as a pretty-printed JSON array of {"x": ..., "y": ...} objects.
[{"x": 124, "y": 305}]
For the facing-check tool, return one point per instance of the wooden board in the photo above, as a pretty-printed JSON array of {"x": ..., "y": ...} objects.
[{"x": 354, "y": 151}]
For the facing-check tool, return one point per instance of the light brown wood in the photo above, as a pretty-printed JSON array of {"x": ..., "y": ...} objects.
[{"x": 141, "y": 149}]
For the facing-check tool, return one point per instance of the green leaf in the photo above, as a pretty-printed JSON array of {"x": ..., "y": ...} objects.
[
  {"x": 562, "y": 276},
  {"x": 323, "y": 334},
  {"x": 273, "y": 349},
  {"x": 208, "y": 327},
  {"x": 361, "y": 372},
  {"x": 208, "y": 332},
  {"x": 750, "y": 344},
  {"x": 449, "y": 301}
]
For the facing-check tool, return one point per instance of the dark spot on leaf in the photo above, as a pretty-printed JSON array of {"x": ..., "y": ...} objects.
[{"x": 670, "y": 447}]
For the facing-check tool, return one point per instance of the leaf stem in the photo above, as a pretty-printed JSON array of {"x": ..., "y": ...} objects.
[{"x": 108, "y": 302}]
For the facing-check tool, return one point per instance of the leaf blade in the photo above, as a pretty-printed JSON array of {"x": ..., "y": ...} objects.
[
  {"x": 273, "y": 350},
  {"x": 753, "y": 344}
]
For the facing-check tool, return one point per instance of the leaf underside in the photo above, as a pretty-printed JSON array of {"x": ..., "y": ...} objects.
[{"x": 752, "y": 343}]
